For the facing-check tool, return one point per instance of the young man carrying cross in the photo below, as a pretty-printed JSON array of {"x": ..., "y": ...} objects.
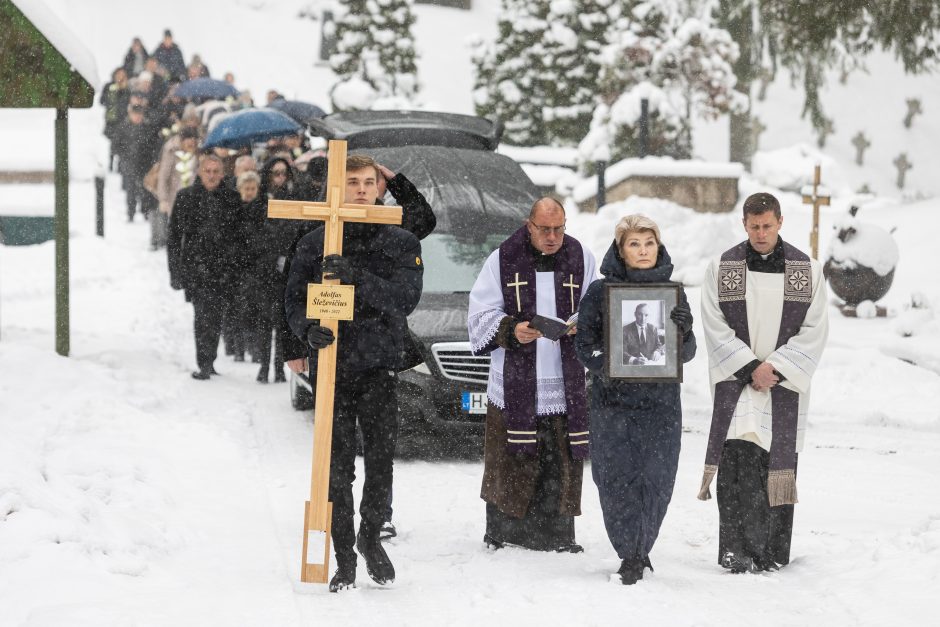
[{"x": 384, "y": 264}]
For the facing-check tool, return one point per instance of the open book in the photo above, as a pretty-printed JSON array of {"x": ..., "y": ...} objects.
[{"x": 553, "y": 328}]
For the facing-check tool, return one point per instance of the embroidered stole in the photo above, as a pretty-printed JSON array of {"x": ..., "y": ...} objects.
[
  {"x": 797, "y": 295},
  {"x": 517, "y": 278}
]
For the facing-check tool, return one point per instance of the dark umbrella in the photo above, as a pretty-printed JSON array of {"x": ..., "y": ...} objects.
[
  {"x": 303, "y": 112},
  {"x": 241, "y": 129},
  {"x": 205, "y": 89}
]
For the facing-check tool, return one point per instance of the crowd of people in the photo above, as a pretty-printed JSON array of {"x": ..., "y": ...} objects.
[
  {"x": 552, "y": 403},
  {"x": 222, "y": 249}
]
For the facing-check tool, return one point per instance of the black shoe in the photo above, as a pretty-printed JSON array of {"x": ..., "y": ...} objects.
[
  {"x": 387, "y": 531},
  {"x": 739, "y": 564},
  {"x": 631, "y": 571},
  {"x": 212, "y": 370},
  {"x": 378, "y": 565},
  {"x": 262, "y": 376},
  {"x": 201, "y": 375},
  {"x": 344, "y": 577},
  {"x": 279, "y": 377},
  {"x": 570, "y": 548},
  {"x": 491, "y": 542}
]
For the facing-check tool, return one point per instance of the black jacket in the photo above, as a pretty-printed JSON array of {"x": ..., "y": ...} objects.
[
  {"x": 172, "y": 60},
  {"x": 201, "y": 239},
  {"x": 138, "y": 145},
  {"x": 392, "y": 273}
]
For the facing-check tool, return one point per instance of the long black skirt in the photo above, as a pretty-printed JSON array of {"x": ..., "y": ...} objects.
[{"x": 748, "y": 526}]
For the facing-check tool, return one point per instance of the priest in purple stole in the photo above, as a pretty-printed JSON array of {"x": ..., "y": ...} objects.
[
  {"x": 536, "y": 423},
  {"x": 765, "y": 314}
]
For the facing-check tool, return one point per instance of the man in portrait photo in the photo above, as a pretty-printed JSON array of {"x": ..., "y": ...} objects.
[{"x": 641, "y": 340}]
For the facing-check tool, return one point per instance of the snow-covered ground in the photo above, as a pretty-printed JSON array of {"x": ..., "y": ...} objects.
[{"x": 132, "y": 495}]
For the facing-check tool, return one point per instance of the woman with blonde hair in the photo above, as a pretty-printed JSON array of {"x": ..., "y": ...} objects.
[{"x": 635, "y": 427}]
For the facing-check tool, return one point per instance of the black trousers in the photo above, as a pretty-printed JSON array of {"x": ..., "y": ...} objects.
[
  {"x": 208, "y": 307},
  {"x": 270, "y": 308},
  {"x": 748, "y": 525},
  {"x": 369, "y": 399},
  {"x": 137, "y": 194}
]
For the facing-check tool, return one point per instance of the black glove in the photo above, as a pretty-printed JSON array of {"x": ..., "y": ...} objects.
[
  {"x": 681, "y": 314},
  {"x": 319, "y": 337},
  {"x": 341, "y": 268}
]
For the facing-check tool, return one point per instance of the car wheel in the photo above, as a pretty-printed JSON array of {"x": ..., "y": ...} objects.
[{"x": 301, "y": 398}]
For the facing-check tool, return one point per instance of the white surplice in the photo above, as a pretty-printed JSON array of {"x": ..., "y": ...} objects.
[
  {"x": 796, "y": 360},
  {"x": 487, "y": 310}
]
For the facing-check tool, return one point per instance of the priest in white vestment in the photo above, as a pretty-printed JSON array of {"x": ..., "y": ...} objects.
[
  {"x": 765, "y": 315},
  {"x": 536, "y": 424}
]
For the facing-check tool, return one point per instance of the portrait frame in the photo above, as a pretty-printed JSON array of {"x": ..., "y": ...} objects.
[{"x": 664, "y": 365}]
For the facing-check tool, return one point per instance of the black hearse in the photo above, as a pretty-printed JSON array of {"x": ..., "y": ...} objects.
[{"x": 479, "y": 197}]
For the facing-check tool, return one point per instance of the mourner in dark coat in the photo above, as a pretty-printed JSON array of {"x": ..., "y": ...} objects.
[
  {"x": 168, "y": 55},
  {"x": 200, "y": 251},
  {"x": 138, "y": 144},
  {"x": 135, "y": 60},
  {"x": 384, "y": 264},
  {"x": 635, "y": 427}
]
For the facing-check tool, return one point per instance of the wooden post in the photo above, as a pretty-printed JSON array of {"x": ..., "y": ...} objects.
[
  {"x": 62, "y": 232},
  {"x": 817, "y": 197},
  {"x": 318, "y": 511}
]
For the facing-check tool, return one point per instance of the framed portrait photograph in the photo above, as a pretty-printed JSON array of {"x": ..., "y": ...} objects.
[{"x": 642, "y": 341}]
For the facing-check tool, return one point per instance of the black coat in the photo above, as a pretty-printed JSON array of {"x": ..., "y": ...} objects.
[
  {"x": 201, "y": 239},
  {"x": 138, "y": 145},
  {"x": 635, "y": 427},
  {"x": 129, "y": 61},
  {"x": 390, "y": 260},
  {"x": 172, "y": 60}
]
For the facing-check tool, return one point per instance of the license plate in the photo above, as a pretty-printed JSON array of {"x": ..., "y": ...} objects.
[{"x": 474, "y": 402}]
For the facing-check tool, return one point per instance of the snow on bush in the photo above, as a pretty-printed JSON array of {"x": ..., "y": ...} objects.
[{"x": 858, "y": 243}]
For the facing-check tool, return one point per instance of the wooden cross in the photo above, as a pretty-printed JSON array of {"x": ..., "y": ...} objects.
[
  {"x": 817, "y": 197},
  {"x": 516, "y": 285},
  {"x": 913, "y": 108},
  {"x": 571, "y": 285},
  {"x": 318, "y": 511},
  {"x": 861, "y": 143},
  {"x": 903, "y": 165}
]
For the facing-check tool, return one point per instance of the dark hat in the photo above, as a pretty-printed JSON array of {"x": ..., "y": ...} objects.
[
  {"x": 189, "y": 132},
  {"x": 167, "y": 33}
]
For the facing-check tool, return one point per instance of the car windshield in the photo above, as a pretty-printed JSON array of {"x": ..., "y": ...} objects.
[{"x": 452, "y": 265}]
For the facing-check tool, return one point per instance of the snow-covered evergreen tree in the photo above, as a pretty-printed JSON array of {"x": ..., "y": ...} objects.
[
  {"x": 678, "y": 62},
  {"x": 576, "y": 34},
  {"x": 376, "y": 58},
  {"x": 507, "y": 84}
]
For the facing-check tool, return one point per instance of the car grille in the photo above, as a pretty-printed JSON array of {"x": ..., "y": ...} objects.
[{"x": 456, "y": 361}]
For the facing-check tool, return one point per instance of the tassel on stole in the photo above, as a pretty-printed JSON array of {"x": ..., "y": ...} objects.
[{"x": 781, "y": 487}]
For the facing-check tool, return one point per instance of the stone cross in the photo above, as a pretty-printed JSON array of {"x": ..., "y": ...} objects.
[
  {"x": 517, "y": 285},
  {"x": 903, "y": 165},
  {"x": 816, "y": 197},
  {"x": 827, "y": 129},
  {"x": 861, "y": 143},
  {"x": 765, "y": 76},
  {"x": 913, "y": 108},
  {"x": 757, "y": 127},
  {"x": 334, "y": 212}
]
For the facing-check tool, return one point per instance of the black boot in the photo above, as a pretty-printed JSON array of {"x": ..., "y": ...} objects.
[
  {"x": 491, "y": 542},
  {"x": 738, "y": 563},
  {"x": 345, "y": 575},
  {"x": 201, "y": 375},
  {"x": 370, "y": 548},
  {"x": 631, "y": 571},
  {"x": 262, "y": 375}
]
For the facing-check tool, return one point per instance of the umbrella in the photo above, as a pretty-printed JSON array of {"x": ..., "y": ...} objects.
[
  {"x": 303, "y": 112},
  {"x": 244, "y": 127},
  {"x": 205, "y": 89}
]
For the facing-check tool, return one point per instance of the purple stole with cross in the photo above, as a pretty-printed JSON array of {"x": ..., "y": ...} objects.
[
  {"x": 517, "y": 277},
  {"x": 797, "y": 295}
]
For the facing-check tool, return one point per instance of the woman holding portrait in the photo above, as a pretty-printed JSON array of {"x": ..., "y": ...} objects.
[{"x": 635, "y": 427}]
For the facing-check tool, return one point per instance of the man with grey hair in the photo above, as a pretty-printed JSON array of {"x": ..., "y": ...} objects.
[
  {"x": 536, "y": 420},
  {"x": 200, "y": 240}
]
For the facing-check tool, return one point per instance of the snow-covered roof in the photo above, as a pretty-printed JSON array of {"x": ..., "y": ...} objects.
[
  {"x": 540, "y": 155},
  {"x": 655, "y": 166},
  {"x": 61, "y": 38}
]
